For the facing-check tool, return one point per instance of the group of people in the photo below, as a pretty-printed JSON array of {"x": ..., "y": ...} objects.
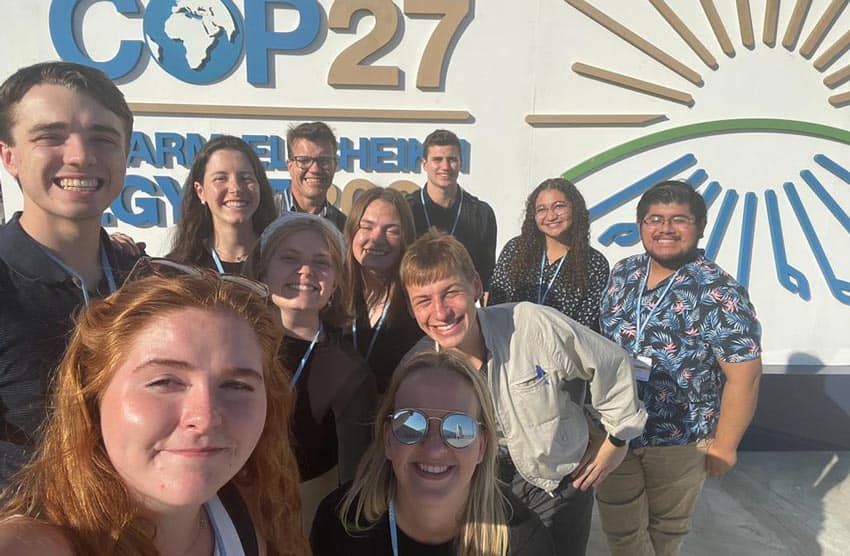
[{"x": 289, "y": 379}]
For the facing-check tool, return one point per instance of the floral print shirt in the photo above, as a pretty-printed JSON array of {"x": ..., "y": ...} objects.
[{"x": 704, "y": 316}]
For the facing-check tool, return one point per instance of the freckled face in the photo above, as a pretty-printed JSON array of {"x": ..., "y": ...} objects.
[{"x": 185, "y": 408}]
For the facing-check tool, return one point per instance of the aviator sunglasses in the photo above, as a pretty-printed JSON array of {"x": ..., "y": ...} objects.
[{"x": 410, "y": 426}]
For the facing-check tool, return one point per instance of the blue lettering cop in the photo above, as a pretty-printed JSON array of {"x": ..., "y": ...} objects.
[
  {"x": 144, "y": 201},
  {"x": 179, "y": 40}
]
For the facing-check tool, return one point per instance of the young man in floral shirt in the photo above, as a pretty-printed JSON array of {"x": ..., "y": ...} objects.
[{"x": 695, "y": 343}]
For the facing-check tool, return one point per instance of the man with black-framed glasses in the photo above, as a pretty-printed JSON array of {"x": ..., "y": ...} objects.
[
  {"x": 311, "y": 162},
  {"x": 64, "y": 137},
  {"x": 695, "y": 345}
]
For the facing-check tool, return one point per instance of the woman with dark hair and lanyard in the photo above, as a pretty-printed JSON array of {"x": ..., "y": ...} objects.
[
  {"x": 379, "y": 229},
  {"x": 227, "y": 203},
  {"x": 551, "y": 262},
  {"x": 299, "y": 256}
]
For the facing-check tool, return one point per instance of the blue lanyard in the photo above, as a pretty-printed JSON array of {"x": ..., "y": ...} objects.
[
  {"x": 216, "y": 260},
  {"x": 541, "y": 295},
  {"x": 638, "y": 328},
  {"x": 305, "y": 358},
  {"x": 393, "y": 529},
  {"x": 289, "y": 203},
  {"x": 428, "y": 218},
  {"x": 104, "y": 263},
  {"x": 376, "y": 331}
]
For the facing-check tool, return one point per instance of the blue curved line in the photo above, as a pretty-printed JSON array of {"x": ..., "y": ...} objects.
[
  {"x": 710, "y": 193},
  {"x": 840, "y": 288},
  {"x": 839, "y": 171},
  {"x": 721, "y": 224},
  {"x": 789, "y": 277},
  {"x": 826, "y": 198},
  {"x": 623, "y": 234},
  {"x": 637, "y": 188},
  {"x": 745, "y": 254}
]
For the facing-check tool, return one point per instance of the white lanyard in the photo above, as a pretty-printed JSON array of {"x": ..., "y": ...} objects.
[
  {"x": 104, "y": 263},
  {"x": 638, "y": 328},
  {"x": 305, "y": 358},
  {"x": 289, "y": 203},
  {"x": 541, "y": 295},
  {"x": 374, "y": 333},
  {"x": 216, "y": 260},
  {"x": 393, "y": 528},
  {"x": 428, "y": 218}
]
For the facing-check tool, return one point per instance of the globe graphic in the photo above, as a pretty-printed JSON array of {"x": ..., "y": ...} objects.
[{"x": 196, "y": 41}]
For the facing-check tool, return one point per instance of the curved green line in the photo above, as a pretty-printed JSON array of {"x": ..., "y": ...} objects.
[{"x": 717, "y": 127}]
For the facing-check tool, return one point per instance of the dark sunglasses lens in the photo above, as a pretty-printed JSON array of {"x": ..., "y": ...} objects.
[
  {"x": 459, "y": 431},
  {"x": 409, "y": 427}
]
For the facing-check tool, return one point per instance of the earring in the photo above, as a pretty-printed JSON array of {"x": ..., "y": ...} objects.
[{"x": 203, "y": 203}]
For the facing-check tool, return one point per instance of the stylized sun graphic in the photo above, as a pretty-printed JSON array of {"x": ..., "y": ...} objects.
[{"x": 768, "y": 171}]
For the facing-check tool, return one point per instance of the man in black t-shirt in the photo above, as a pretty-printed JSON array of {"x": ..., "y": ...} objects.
[{"x": 443, "y": 204}]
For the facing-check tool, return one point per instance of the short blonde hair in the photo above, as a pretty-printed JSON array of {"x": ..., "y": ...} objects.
[{"x": 433, "y": 257}]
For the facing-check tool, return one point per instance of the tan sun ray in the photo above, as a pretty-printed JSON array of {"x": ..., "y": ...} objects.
[
  {"x": 636, "y": 40},
  {"x": 679, "y": 26},
  {"x": 823, "y": 25},
  {"x": 745, "y": 24},
  {"x": 633, "y": 84},
  {"x": 771, "y": 19},
  {"x": 835, "y": 79},
  {"x": 636, "y": 120},
  {"x": 840, "y": 101},
  {"x": 795, "y": 25},
  {"x": 717, "y": 26},
  {"x": 832, "y": 53}
]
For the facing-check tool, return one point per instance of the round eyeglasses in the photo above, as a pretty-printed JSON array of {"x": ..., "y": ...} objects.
[{"x": 410, "y": 426}]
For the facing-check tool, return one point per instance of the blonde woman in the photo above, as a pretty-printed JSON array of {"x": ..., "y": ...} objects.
[
  {"x": 165, "y": 435},
  {"x": 427, "y": 484}
]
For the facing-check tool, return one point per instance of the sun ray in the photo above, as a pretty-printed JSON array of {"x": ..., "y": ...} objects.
[
  {"x": 625, "y": 120},
  {"x": 748, "y": 227},
  {"x": 637, "y": 41},
  {"x": 823, "y": 26},
  {"x": 717, "y": 26},
  {"x": 771, "y": 20},
  {"x": 840, "y": 101},
  {"x": 840, "y": 289},
  {"x": 833, "y": 52},
  {"x": 633, "y": 84},
  {"x": 835, "y": 79},
  {"x": 827, "y": 199},
  {"x": 795, "y": 25},
  {"x": 711, "y": 193},
  {"x": 687, "y": 35},
  {"x": 789, "y": 277},
  {"x": 721, "y": 224},
  {"x": 745, "y": 23}
]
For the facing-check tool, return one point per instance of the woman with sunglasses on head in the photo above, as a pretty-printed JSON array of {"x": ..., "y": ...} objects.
[
  {"x": 164, "y": 435},
  {"x": 379, "y": 229},
  {"x": 427, "y": 485},
  {"x": 551, "y": 262},
  {"x": 299, "y": 256},
  {"x": 227, "y": 203}
]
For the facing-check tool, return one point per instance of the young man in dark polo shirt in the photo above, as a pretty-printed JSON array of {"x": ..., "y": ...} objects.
[
  {"x": 64, "y": 136},
  {"x": 443, "y": 204}
]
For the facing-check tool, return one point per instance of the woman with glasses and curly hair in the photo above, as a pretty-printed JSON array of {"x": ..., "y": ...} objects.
[
  {"x": 379, "y": 229},
  {"x": 166, "y": 434},
  {"x": 299, "y": 257},
  {"x": 227, "y": 203},
  {"x": 551, "y": 262},
  {"x": 427, "y": 484}
]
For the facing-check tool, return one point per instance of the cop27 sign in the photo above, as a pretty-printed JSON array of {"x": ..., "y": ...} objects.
[{"x": 201, "y": 41}]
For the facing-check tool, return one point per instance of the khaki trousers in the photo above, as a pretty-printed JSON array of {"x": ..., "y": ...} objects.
[{"x": 646, "y": 504}]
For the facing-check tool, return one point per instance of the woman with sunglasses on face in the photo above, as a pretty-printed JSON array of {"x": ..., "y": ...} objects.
[
  {"x": 427, "y": 485},
  {"x": 551, "y": 262},
  {"x": 227, "y": 203},
  {"x": 299, "y": 257},
  {"x": 379, "y": 229},
  {"x": 164, "y": 435}
]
